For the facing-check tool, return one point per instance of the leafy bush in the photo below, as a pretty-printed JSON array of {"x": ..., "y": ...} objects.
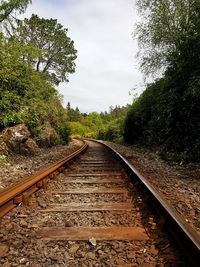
[
  {"x": 64, "y": 132},
  {"x": 167, "y": 117},
  {"x": 12, "y": 118},
  {"x": 112, "y": 131},
  {"x": 25, "y": 97}
]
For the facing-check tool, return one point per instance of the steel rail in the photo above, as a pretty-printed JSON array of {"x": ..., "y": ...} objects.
[
  {"x": 14, "y": 195},
  {"x": 185, "y": 236}
]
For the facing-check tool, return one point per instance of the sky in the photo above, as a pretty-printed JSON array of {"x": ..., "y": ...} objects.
[{"x": 106, "y": 67}]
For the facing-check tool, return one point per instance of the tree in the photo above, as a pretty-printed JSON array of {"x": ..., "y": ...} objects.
[
  {"x": 165, "y": 26},
  {"x": 166, "y": 115},
  {"x": 74, "y": 114},
  {"x": 68, "y": 107},
  {"x": 57, "y": 52},
  {"x": 9, "y": 10}
]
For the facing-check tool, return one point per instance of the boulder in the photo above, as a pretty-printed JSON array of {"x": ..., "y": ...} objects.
[
  {"x": 48, "y": 135},
  {"x": 17, "y": 139},
  {"x": 29, "y": 147}
]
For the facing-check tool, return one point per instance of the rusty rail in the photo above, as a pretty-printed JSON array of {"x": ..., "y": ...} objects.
[
  {"x": 14, "y": 195},
  {"x": 185, "y": 236}
]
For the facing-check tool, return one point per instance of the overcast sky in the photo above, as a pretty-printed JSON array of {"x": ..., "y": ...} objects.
[{"x": 106, "y": 68}]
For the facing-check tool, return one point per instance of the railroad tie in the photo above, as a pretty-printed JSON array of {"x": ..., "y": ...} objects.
[{"x": 85, "y": 233}]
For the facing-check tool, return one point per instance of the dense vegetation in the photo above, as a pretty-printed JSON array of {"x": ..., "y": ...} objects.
[
  {"x": 167, "y": 114},
  {"x": 30, "y": 66},
  {"x": 36, "y": 54},
  {"x": 104, "y": 125}
]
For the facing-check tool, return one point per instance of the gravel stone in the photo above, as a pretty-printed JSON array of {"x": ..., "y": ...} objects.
[
  {"x": 17, "y": 167},
  {"x": 179, "y": 184},
  {"x": 3, "y": 250}
]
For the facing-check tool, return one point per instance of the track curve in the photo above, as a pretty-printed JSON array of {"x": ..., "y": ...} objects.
[{"x": 92, "y": 215}]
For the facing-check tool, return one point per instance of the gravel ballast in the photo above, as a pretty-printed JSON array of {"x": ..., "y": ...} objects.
[
  {"x": 180, "y": 185},
  {"x": 16, "y": 168},
  {"x": 22, "y": 242}
]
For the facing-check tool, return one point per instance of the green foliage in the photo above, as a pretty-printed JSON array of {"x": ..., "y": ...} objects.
[
  {"x": 8, "y": 7},
  {"x": 73, "y": 114},
  {"x": 25, "y": 96},
  {"x": 113, "y": 121},
  {"x": 8, "y": 12},
  {"x": 78, "y": 129},
  {"x": 64, "y": 132},
  {"x": 82, "y": 126},
  {"x": 57, "y": 53},
  {"x": 37, "y": 54},
  {"x": 106, "y": 125},
  {"x": 166, "y": 115},
  {"x": 12, "y": 118},
  {"x": 164, "y": 27},
  {"x": 143, "y": 108},
  {"x": 112, "y": 132}
]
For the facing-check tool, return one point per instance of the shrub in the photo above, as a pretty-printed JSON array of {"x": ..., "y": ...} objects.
[
  {"x": 64, "y": 132},
  {"x": 167, "y": 116}
]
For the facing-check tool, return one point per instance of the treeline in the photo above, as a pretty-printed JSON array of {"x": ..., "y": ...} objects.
[
  {"x": 36, "y": 54},
  {"x": 104, "y": 125},
  {"x": 167, "y": 114}
]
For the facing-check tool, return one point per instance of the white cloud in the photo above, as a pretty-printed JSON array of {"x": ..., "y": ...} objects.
[{"x": 106, "y": 65}]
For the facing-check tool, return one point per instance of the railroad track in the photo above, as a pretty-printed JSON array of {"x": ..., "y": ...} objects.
[{"x": 93, "y": 213}]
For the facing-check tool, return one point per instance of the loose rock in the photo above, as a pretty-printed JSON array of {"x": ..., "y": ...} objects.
[
  {"x": 93, "y": 241},
  {"x": 3, "y": 250}
]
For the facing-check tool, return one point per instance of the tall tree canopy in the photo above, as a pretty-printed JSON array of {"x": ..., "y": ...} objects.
[
  {"x": 166, "y": 115},
  {"x": 57, "y": 52},
  {"x": 165, "y": 26},
  {"x": 9, "y": 10},
  {"x": 27, "y": 93}
]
